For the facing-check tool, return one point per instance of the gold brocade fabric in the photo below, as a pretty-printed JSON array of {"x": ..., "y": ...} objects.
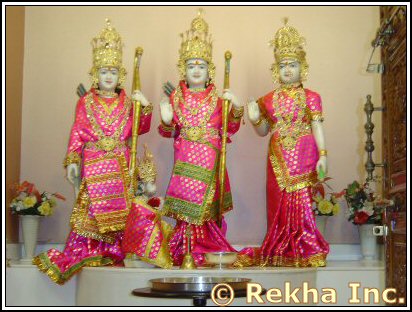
[
  {"x": 82, "y": 223},
  {"x": 281, "y": 171},
  {"x": 318, "y": 260},
  {"x": 107, "y": 183}
]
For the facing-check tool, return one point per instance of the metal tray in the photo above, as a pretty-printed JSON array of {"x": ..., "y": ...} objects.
[{"x": 196, "y": 284}]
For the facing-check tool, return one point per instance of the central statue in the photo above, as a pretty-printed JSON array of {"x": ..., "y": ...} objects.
[{"x": 192, "y": 115}]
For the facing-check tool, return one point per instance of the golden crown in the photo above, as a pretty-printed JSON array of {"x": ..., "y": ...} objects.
[
  {"x": 146, "y": 167},
  {"x": 107, "y": 48},
  {"x": 288, "y": 43},
  {"x": 196, "y": 42}
]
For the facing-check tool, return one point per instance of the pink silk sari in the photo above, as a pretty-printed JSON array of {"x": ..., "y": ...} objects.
[{"x": 292, "y": 238}]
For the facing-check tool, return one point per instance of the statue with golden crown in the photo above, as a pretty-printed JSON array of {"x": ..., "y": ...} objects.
[
  {"x": 192, "y": 116},
  {"x": 145, "y": 235},
  {"x": 296, "y": 160},
  {"x": 97, "y": 163}
]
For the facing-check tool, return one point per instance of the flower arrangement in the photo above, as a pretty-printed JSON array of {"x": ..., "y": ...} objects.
[
  {"x": 29, "y": 201},
  {"x": 325, "y": 203},
  {"x": 363, "y": 206}
]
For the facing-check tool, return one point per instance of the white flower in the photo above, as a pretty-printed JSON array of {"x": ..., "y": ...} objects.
[
  {"x": 368, "y": 208},
  {"x": 20, "y": 206}
]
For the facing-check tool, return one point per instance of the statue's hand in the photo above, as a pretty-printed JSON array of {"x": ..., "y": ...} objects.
[
  {"x": 322, "y": 162},
  {"x": 228, "y": 95},
  {"x": 73, "y": 173},
  {"x": 166, "y": 111},
  {"x": 138, "y": 96},
  {"x": 253, "y": 111}
]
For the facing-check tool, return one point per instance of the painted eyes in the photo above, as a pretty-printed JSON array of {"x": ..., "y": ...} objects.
[
  {"x": 291, "y": 65},
  {"x": 193, "y": 67}
]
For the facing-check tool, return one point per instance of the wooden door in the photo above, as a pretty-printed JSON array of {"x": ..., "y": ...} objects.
[{"x": 393, "y": 18}]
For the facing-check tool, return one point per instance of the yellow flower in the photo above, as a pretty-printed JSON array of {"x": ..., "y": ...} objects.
[
  {"x": 29, "y": 201},
  {"x": 45, "y": 209},
  {"x": 325, "y": 207},
  {"x": 53, "y": 202},
  {"x": 336, "y": 209}
]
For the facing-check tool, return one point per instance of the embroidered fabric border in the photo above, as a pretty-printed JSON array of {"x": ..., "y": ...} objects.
[
  {"x": 168, "y": 128},
  {"x": 317, "y": 116},
  {"x": 72, "y": 158},
  {"x": 147, "y": 109},
  {"x": 112, "y": 221},
  {"x": 264, "y": 113},
  {"x": 317, "y": 260},
  {"x": 44, "y": 264},
  {"x": 183, "y": 210},
  {"x": 192, "y": 171},
  {"x": 189, "y": 212}
]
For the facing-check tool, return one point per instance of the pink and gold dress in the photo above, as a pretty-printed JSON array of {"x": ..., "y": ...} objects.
[
  {"x": 98, "y": 142},
  {"x": 292, "y": 238},
  {"x": 192, "y": 196},
  {"x": 145, "y": 235}
]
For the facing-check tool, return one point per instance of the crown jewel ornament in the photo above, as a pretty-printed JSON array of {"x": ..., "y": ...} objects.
[
  {"x": 288, "y": 44},
  {"x": 107, "y": 53},
  {"x": 196, "y": 44}
]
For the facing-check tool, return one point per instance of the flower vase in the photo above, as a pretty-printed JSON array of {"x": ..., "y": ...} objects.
[
  {"x": 368, "y": 242},
  {"x": 321, "y": 224},
  {"x": 30, "y": 229}
]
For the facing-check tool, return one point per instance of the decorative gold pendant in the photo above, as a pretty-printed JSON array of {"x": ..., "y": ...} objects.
[
  {"x": 107, "y": 144},
  {"x": 194, "y": 133},
  {"x": 289, "y": 142}
]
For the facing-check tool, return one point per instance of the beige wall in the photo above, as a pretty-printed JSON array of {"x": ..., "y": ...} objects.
[
  {"x": 58, "y": 57},
  {"x": 14, "y": 92}
]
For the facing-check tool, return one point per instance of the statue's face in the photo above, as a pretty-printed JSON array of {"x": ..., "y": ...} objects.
[
  {"x": 150, "y": 189},
  {"x": 196, "y": 73},
  {"x": 108, "y": 78},
  {"x": 289, "y": 71}
]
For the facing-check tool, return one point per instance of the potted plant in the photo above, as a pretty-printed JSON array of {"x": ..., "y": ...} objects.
[
  {"x": 365, "y": 210},
  {"x": 30, "y": 205}
]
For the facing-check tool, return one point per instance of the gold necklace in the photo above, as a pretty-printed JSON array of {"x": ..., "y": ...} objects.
[
  {"x": 97, "y": 128},
  {"x": 107, "y": 108},
  {"x": 195, "y": 110},
  {"x": 179, "y": 98},
  {"x": 106, "y": 93},
  {"x": 289, "y": 130},
  {"x": 195, "y": 90}
]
